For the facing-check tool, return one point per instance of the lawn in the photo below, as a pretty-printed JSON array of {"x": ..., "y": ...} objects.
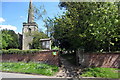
[
  {"x": 101, "y": 72},
  {"x": 31, "y": 67}
]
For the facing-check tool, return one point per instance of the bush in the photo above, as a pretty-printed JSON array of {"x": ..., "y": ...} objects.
[
  {"x": 17, "y": 51},
  {"x": 4, "y": 51},
  {"x": 12, "y": 51}
]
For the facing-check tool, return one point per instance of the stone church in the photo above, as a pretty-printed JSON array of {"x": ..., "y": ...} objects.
[{"x": 28, "y": 27}]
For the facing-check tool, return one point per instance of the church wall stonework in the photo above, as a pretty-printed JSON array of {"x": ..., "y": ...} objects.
[
  {"x": 27, "y": 37},
  {"x": 28, "y": 29}
]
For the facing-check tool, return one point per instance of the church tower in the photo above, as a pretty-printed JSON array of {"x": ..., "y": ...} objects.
[{"x": 28, "y": 28}]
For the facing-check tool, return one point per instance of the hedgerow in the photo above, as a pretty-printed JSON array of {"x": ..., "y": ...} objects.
[{"x": 18, "y": 51}]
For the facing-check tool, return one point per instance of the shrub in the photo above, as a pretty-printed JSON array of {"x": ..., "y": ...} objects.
[
  {"x": 17, "y": 51},
  {"x": 12, "y": 51}
]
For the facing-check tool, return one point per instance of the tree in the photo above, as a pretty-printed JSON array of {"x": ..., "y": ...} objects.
[
  {"x": 36, "y": 44},
  {"x": 49, "y": 24},
  {"x": 39, "y": 12},
  {"x": 93, "y": 26},
  {"x": 9, "y": 39}
]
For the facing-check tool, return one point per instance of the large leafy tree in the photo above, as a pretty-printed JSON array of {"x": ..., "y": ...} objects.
[
  {"x": 9, "y": 39},
  {"x": 93, "y": 26}
]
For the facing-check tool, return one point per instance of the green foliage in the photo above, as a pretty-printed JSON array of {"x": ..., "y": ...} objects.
[
  {"x": 101, "y": 72},
  {"x": 36, "y": 44},
  {"x": 9, "y": 39},
  {"x": 13, "y": 51},
  {"x": 0, "y": 40},
  {"x": 92, "y": 26},
  {"x": 49, "y": 24},
  {"x": 31, "y": 67},
  {"x": 55, "y": 47},
  {"x": 17, "y": 51},
  {"x": 39, "y": 12}
]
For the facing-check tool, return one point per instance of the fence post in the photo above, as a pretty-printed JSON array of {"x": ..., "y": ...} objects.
[{"x": 79, "y": 57}]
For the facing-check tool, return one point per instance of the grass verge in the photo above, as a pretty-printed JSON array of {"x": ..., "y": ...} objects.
[
  {"x": 31, "y": 67},
  {"x": 101, "y": 72}
]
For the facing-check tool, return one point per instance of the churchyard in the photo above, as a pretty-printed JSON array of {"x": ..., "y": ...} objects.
[{"x": 83, "y": 42}]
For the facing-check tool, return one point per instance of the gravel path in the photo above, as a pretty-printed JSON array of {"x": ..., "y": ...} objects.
[{"x": 68, "y": 70}]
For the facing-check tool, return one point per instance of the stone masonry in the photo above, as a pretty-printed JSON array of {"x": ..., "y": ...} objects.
[{"x": 28, "y": 29}]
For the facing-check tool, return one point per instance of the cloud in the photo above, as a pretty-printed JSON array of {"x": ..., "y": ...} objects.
[
  {"x": 21, "y": 17},
  {"x": 2, "y": 20},
  {"x": 10, "y": 27}
]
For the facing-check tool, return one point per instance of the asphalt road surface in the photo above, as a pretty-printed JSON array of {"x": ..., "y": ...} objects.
[{"x": 18, "y": 75}]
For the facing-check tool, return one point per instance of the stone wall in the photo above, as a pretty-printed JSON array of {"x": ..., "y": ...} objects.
[
  {"x": 43, "y": 56},
  {"x": 111, "y": 60}
]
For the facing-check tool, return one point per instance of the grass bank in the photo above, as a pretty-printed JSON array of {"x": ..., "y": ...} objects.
[
  {"x": 101, "y": 72},
  {"x": 31, "y": 67}
]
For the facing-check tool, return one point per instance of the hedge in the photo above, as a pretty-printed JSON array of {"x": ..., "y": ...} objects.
[{"x": 17, "y": 51}]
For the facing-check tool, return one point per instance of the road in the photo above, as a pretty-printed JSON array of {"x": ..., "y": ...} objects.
[
  {"x": 18, "y": 75},
  {"x": 14, "y": 76}
]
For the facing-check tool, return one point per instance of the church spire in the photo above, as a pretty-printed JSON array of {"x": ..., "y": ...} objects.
[{"x": 30, "y": 13}]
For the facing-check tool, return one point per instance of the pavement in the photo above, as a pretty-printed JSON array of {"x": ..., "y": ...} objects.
[{"x": 18, "y": 75}]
